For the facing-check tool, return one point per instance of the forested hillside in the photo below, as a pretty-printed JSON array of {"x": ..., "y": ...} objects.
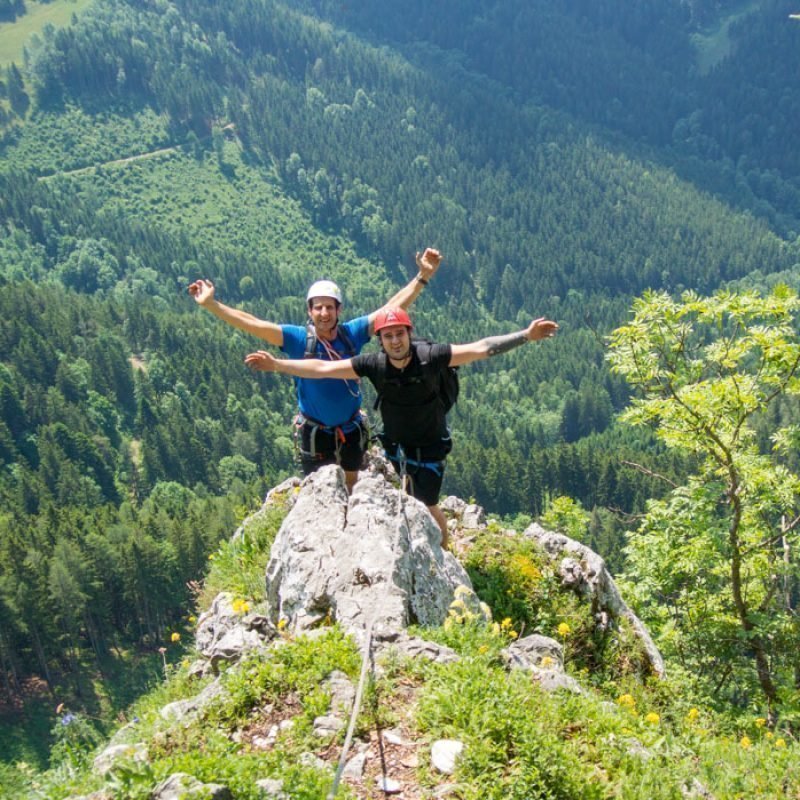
[
  {"x": 723, "y": 119},
  {"x": 563, "y": 156}
]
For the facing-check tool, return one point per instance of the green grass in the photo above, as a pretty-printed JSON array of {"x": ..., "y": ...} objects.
[
  {"x": 14, "y": 35},
  {"x": 714, "y": 43}
]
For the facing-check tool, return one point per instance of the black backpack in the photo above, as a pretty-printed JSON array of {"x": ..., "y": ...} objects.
[{"x": 447, "y": 387}]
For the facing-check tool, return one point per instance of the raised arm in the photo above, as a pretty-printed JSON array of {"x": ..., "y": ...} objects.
[
  {"x": 301, "y": 367},
  {"x": 495, "y": 345},
  {"x": 427, "y": 262},
  {"x": 203, "y": 293}
]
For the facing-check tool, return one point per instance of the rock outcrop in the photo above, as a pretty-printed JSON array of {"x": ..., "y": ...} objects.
[
  {"x": 584, "y": 572},
  {"x": 372, "y": 558},
  {"x": 371, "y": 562}
]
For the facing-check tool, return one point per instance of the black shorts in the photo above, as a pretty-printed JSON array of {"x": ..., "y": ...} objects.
[
  {"x": 320, "y": 446},
  {"x": 424, "y": 467}
]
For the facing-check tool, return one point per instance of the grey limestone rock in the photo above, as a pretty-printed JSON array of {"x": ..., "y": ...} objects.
[
  {"x": 224, "y": 634},
  {"x": 375, "y": 556},
  {"x": 544, "y": 657},
  {"x": 328, "y": 725},
  {"x": 445, "y": 753},
  {"x": 272, "y": 789},
  {"x": 343, "y": 693},
  {"x": 180, "y": 786},
  {"x": 414, "y": 647},
  {"x": 189, "y": 707},
  {"x": 695, "y": 790},
  {"x": 354, "y": 768},
  {"x": 106, "y": 760}
]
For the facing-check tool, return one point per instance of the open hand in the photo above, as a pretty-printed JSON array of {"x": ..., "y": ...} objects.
[
  {"x": 541, "y": 329},
  {"x": 261, "y": 360}
]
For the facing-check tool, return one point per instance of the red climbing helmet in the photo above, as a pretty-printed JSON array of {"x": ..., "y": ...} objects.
[{"x": 387, "y": 317}]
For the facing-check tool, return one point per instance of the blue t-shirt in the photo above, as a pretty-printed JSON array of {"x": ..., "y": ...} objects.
[{"x": 331, "y": 401}]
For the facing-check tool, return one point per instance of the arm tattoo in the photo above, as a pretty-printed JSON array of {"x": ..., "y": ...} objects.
[{"x": 502, "y": 344}]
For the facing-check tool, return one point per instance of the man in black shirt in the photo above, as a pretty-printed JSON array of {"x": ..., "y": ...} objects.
[{"x": 407, "y": 377}]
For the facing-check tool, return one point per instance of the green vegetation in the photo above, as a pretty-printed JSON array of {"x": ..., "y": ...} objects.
[
  {"x": 714, "y": 42},
  {"x": 633, "y": 740},
  {"x": 240, "y": 563},
  {"x": 15, "y": 35},
  {"x": 716, "y": 560}
]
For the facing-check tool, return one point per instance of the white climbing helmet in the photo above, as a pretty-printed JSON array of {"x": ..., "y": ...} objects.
[{"x": 324, "y": 289}]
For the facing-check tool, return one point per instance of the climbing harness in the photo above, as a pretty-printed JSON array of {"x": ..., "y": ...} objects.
[
  {"x": 400, "y": 457},
  {"x": 358, "y": 420}
]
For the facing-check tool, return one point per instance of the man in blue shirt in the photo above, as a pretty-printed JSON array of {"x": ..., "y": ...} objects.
[{"x": 330, "y": 426}]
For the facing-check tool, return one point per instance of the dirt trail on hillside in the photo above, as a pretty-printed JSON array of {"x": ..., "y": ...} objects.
[{"x": 114, "y": 163}]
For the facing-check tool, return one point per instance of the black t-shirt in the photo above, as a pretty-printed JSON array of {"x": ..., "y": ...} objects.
[{"x": 410, "y": 407}]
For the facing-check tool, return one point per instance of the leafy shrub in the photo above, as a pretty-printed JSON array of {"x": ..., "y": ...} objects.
[
  {"x": 240, "y": 563},
  {"x": 300, "y": 665},
  {"x": 519, "y": 583}
]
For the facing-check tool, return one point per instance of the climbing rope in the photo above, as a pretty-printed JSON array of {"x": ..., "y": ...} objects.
[{"x": 365, "y": 664}]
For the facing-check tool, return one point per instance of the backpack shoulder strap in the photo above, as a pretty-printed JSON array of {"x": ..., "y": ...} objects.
[
  {"x": 379, "y": 384},
  {"x": 311, "y": 342},
  {"x": 350, "y": 348}
]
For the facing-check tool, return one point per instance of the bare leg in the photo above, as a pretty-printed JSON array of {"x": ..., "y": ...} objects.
[
  {"x": 438, "y": 515},
  {"x": 350, "y": 479}
]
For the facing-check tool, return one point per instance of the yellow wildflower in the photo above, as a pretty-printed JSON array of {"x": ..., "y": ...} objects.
[
  {"x": 483, "y": 649},
  {"x": 546, "y": 662},
  {"x": 746, "y": 742},
  {"x": 240, "y": 606},
  {"x": 692, "y": 714},
  {"x": 780, "y": 742},
  {"x": 525, "y": 567},
  {"x": 652, "y": 718},
  {"x": 506, "y": 623},
  {"x": 512, "y": 634},
  {"x": 176, "y": 637},
  {"x": 282, "y": 623},
  {"x": 458, "y": 603},
  {"x": 192, "y": 619},
  {"x": 564, "y": 630},
  {"x": 769, "y": 734},
  {"x": 626, "y": 701},
  {"x": 760, "y": 722}
]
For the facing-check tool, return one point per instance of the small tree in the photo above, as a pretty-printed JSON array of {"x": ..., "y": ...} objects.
[{"x": 716, "y": 563}]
